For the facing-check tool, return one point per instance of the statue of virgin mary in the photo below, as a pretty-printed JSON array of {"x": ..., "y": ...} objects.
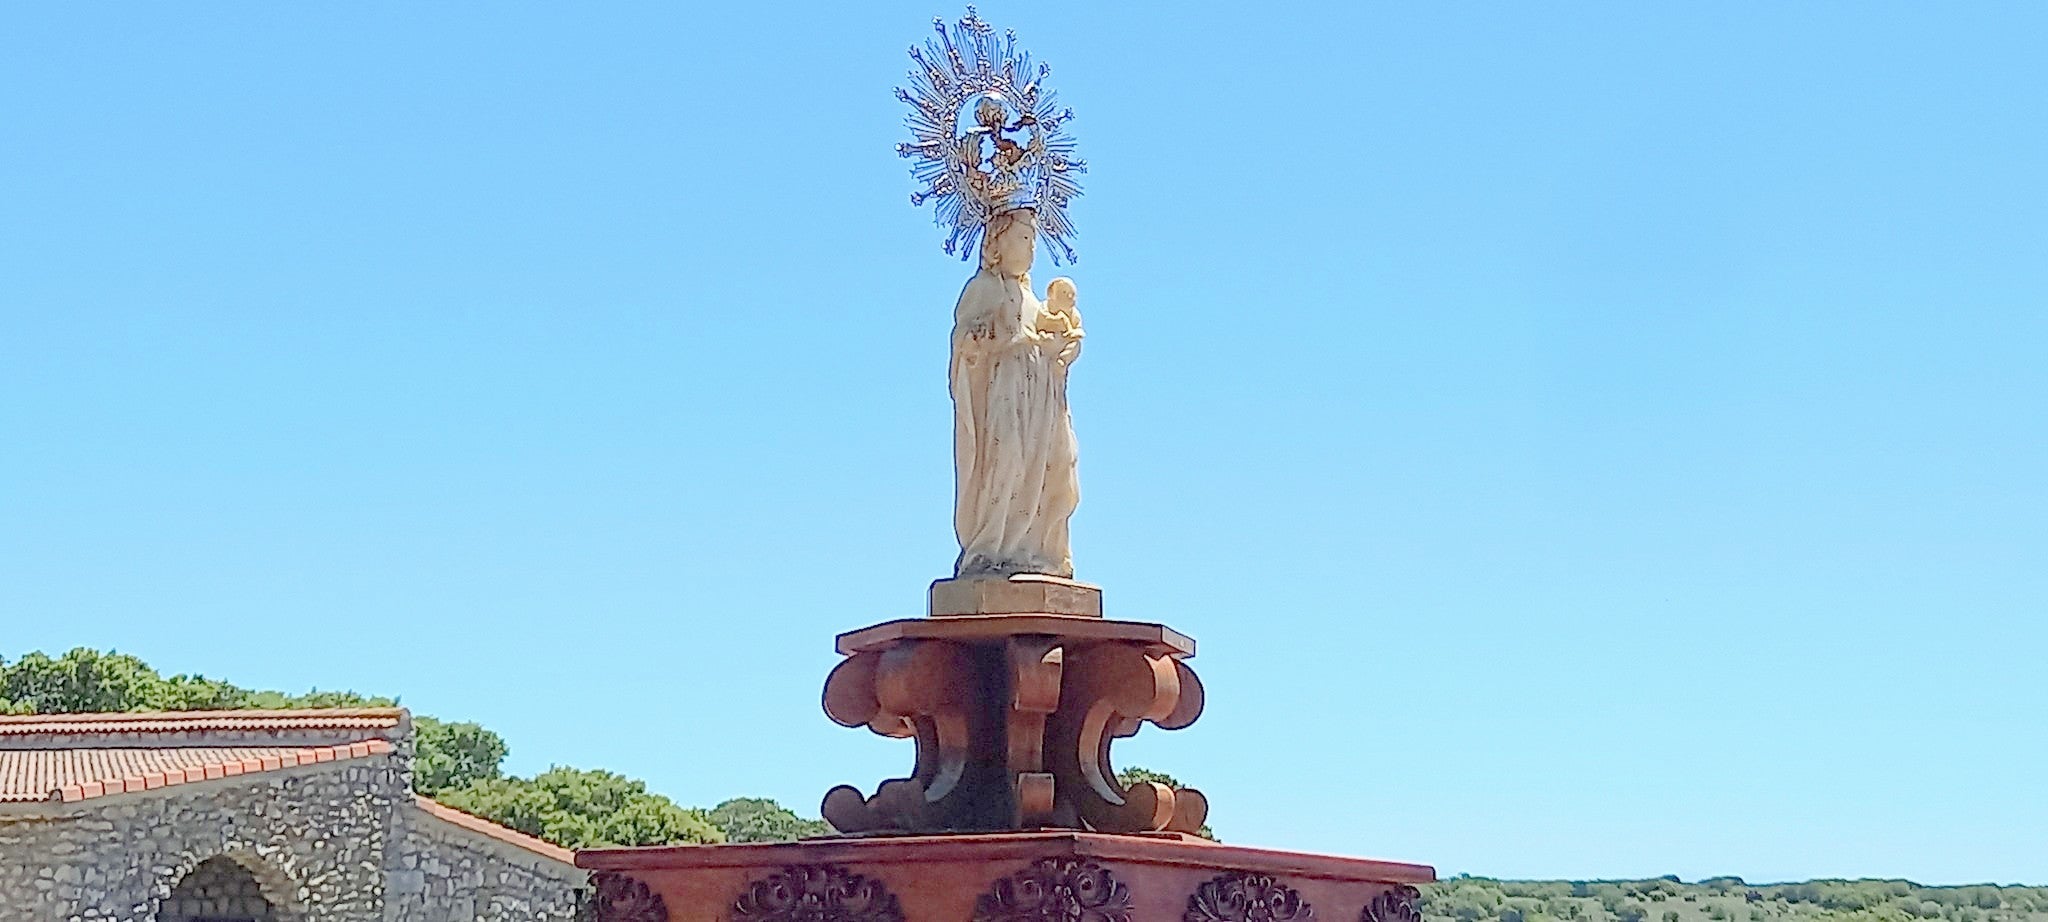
[{"x": 1014, "y": 457}]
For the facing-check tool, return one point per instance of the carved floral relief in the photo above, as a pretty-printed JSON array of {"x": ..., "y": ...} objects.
[
  {"x": 1056, "y": 890},
  {"x": 619, "y": 898},
  {"x": 816, "y": 893},
  {"x": 1400, "y": 903},
  {"x": 1241, "y": 897}
]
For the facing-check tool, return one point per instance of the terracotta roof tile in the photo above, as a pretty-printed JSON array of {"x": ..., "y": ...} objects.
[
  {"x": 202, "y": 721},
  {"x": 484, "y": 827},
  {"x": 81, "y": 774}
]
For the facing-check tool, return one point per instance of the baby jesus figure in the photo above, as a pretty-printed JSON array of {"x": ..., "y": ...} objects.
[{"x": 1059, "y": 316}]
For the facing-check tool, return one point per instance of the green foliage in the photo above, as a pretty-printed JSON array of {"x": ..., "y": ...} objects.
[
  {"x": 1135, "y": 774},
  {"x": 453, "y": 755},
  {"x": 85, "y": 680},
  {"x": 578, "y": 808},
  {"x": 81, "y": 680},
  {"x": 758, "y": 819},
  {"x": 1478, "y": 899},
  {"x": 198, "y": 693},
  {"x": 317, "y": 699}
]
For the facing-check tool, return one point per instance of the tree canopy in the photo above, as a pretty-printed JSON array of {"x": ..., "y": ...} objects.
[
  {"x": 1726, "y": 899},
  {"x": 579, "y": 808},
  {"x": 758, "y": 819}
]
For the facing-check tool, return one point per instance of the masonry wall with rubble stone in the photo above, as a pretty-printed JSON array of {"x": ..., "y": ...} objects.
[
  {"x": 337, "y": 842},
  {"x": 446, "y": 872},
  {"x": 314, "y": 837},
  {"x": 219, "y": 888}
]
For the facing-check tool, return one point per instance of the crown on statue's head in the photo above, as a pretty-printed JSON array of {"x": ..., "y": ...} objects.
[{"x": 987, "y": 136}]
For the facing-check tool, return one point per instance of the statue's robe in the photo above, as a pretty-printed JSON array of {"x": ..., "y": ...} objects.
[{"x": 1016, "y": 482}]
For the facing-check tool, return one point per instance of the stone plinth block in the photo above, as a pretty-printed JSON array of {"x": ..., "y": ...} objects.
[
  {"x": 1022, "y": 594},
  {"x": 1013, "y": 716},
  {"x": 1009, "y": 877}
]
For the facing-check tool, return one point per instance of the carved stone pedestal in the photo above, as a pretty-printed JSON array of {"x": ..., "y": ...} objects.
[
  {"x": 1010, "y": 877},
  {"x": 1021, "y": 594},
  {"x": 1012, "y": 812},
  {"x": 1013, "y": 716}
]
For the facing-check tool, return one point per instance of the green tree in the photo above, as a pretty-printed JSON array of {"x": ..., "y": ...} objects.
[
  {"x": 758, "y": 819},
  {"x": 578, "y": 808},
  {"x": 199, "y": 693},
  {"x": 447, "y": 756},
  {"x": 81, "y": 680},
  {"x": 86, "y": 680},
  {"x": 316, "y": 698}
]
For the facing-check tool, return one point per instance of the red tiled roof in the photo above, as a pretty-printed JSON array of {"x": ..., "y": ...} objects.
[
  {"x": 203, "y": 721},
  {"x": 484, "y": 827},
  {"x": 69, "y": 775}
]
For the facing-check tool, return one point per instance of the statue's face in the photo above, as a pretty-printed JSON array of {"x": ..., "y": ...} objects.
[
  {"x": 1060, "y": 294},
  {"x": 1014, "y": 247}
]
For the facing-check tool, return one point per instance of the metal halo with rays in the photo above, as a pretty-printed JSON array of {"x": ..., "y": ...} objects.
[{"x": 987, "y": 136}]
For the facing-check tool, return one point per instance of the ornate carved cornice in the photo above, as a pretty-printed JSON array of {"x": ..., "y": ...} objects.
[
  {"x": 617, "y": 897},
  {"x": 1056, "y": 890},
  {"x": 1242, "y": 897},
  {"x": 1400, "y": 903},
  {"x": 816, "y": 893}
]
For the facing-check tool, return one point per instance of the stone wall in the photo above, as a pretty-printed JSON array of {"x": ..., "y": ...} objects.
[
  {"x": 449, "y": 873},
  {"x": 315, "y": 838},
  {"x": 219, "y": 888},
  {"x": 337, "y": 842}
]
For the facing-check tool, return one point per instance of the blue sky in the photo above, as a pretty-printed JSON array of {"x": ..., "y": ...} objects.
[{"x": 1590, "y": 440}]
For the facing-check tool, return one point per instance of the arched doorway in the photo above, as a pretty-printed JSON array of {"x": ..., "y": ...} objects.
[{"x": 218, "y": 890}]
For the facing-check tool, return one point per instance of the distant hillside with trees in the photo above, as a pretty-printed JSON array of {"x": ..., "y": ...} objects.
[{"x": 1727, "y": 899}]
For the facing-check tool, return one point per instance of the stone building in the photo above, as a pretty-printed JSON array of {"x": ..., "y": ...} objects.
[{"x": 251, "y": 816}]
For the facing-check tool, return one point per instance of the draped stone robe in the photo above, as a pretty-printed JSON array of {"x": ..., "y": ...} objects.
[{"x": 1016, "y": 482}]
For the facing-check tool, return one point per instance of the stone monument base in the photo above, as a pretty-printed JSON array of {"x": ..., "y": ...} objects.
[
  {"x": 1021, "y": 594},
  {"x": 1013, "y": 716},
  {"x": 1003, "y": 877}
]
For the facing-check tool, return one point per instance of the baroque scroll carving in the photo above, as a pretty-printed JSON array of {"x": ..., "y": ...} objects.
[
  {"x": 1056, "y": 890},
  {"x": 1399, "y": 903},
  {"x": 924, "y": 691},
  {"x": 1112, "y": 689},
  {"x": 617, "y": 897},
  {"x": 1242, "y": 897},
  {"x": 1013, "y": 732},
  {"x": 816, "y": 893}
]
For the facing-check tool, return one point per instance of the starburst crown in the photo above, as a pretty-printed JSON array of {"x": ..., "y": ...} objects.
[{"x": 987, "y": 136}]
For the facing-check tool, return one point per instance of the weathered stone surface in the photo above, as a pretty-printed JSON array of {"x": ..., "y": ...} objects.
[
  {"x": 1021, "y": 594},
  {"x": 340, "y": 841}
]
